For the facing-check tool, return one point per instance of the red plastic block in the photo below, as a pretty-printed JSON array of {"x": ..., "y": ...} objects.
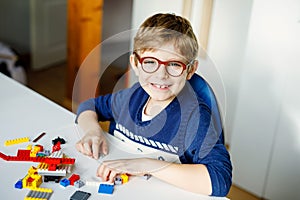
[
  {"x": 56, "y": 147},
  {"x": 3, "y": 156},
  {"x": 52, "y": 167},
  {"x": 73, "y": 178},
  {"x": 23, "y": 153},
  {"x": 23, "y": 157}
]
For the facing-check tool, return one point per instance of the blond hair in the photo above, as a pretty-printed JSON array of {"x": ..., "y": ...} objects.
[{"x": 160, "y": 29}]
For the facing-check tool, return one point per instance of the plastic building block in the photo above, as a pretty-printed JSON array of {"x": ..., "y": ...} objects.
[
  {"x": 39, "y": 194},
  {"x": 80, "y": 195},
  {"x": 56, "y": 179},
  {"x": 52, "y": 167},
  {"x": 124, "y": 178},
  {"x": 92, "y": 183},
  {"x": 118, "y": 180},
  {"x": 106, "y": 188},
  {"x": 42, "y": 190},
  {"x": 32, "y": 181},
  {"x": 39, "y": 137},
  {"x": 78, "y": 184},
  {"x": 16, "y": 141},
  {"x": 56, "y": 147},
  {"x": 58, "y": 139},
  {"x": 57, "y": 154},
  {"x": 67, "y": 161},
  {"x": 73, "y": 178},
  {"x": 3, "y": 156},
  {"x": 35, "y": 150},
  {"x": 19, "y": 184},
  {"x": 23, "y": 153},
  {"x": 61, "y": 170},
  {"x": 147, "y": 176},
  {"x": 64, "y": 182}
]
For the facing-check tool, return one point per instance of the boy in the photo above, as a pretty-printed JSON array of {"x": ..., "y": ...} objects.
[{"x": 171, "y": 112}]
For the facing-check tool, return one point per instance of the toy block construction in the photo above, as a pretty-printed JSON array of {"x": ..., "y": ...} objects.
[{"x": 24, "y": 155}]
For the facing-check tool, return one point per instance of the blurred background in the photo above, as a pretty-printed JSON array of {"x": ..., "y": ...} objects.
[{"x": 251, "y": 59}]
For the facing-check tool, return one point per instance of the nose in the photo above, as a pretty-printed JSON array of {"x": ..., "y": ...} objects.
[{"x": 162, "y": 72}]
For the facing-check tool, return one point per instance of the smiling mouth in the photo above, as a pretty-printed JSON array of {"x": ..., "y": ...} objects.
[{"x": 160, "y": 86}]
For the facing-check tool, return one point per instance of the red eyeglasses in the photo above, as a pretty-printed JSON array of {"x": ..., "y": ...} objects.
[{"x": 151, "y": 65}]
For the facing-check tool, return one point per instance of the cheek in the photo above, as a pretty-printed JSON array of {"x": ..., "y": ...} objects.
[
  {"x": 143, "y": 77},
  {"x": 178, "y": 86}
]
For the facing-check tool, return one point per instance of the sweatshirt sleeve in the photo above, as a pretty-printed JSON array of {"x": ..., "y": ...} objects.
[
  {"x": 101, "y": 105},
  {"x": 207, "y": 147},
  {"x": 107, "y": 107}
]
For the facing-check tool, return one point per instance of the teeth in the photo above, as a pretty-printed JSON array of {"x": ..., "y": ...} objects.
[{"x": 161, "y": 86}]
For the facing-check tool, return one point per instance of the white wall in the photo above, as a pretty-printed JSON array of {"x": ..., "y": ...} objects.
[
  {"x": 265, "y": 139},
  {"x": 226, "y": 48}
]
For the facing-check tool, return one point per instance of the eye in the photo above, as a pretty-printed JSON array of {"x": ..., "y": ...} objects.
[
  {"x": 175, "y": 64},
  {"x": 149, "y": 61}
]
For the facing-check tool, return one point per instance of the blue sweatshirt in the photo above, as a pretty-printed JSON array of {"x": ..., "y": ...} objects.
[{"x": 189, "y": 127}]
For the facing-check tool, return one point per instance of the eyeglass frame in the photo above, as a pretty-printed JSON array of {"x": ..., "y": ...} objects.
[{"x": 165, "y": 63}]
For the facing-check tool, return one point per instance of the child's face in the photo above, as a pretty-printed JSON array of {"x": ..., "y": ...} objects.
[{"x": 160, "y": 85}]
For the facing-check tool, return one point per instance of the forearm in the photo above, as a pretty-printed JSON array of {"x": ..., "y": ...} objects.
[
  {"x": 191, "y": 177},
  {"x": 88, "y": 120},
  {"x": 93, "y": 142}
]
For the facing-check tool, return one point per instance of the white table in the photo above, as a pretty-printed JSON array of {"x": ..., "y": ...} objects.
[{"x": 24, "y": 113}]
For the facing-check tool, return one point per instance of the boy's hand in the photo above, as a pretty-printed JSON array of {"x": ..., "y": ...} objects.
[
  {"x": 93, "y": 144},
  {"x": 108, "y": 170}
]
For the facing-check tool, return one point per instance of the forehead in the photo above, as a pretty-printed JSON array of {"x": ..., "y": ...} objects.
[{"x": 165, "y": 52}]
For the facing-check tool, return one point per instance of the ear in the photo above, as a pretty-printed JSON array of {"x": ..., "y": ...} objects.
[
  {"x": 133, "y": 64},
  {"x": 192, "y": 70}
]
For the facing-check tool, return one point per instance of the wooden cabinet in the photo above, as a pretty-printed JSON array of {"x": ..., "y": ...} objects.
[{"x": 84, "y": 34}]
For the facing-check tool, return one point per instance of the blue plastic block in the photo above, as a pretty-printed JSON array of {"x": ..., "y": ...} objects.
[
  {"x": 106, "y": 188},
  {"x": 65, "y": 182},
  {"x": 19, "y": 184}
]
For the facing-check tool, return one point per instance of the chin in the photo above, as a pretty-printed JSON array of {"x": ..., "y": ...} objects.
[{"x": 162, "y": 98}]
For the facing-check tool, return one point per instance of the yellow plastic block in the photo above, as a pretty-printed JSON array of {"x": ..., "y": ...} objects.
[
  {"x": 32, "y": 181},
  {"x": 33, "y": 198},
  {"x": 48, "y": 190},
  {"x": 124, "y": 178},
  {"x": 43, "y": 166},
  {"x": 16, "y": 141}
]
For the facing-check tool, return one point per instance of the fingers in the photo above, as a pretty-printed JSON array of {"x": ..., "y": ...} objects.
[
  {"x": 106, "y": 173},
  {"x": 87, "y": 149},
  {"x": 95, "y": 147},
  {"x": 104, "y": 147},
  {"x": 92, "y": 145},
  {"x": 83, "y": 148},
  {"x": 99, "y": 147}
]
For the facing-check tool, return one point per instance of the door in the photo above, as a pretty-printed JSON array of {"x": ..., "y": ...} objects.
[{"x": 47, "y": 32}]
